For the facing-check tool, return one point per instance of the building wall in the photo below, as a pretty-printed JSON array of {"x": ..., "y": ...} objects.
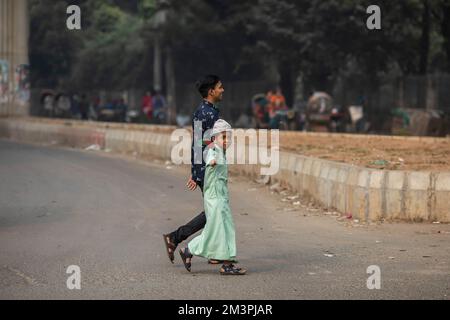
[{"x": 14, "y": 68}]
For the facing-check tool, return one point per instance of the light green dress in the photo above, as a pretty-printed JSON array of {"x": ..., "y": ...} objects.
[{"x": 218, "y": 239}]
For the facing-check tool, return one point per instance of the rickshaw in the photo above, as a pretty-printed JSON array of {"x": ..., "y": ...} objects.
[{"x": 318, "y": 112}]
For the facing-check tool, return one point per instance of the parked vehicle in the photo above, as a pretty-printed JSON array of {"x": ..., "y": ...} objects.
[
  {"x": 56, "y": 105},
  {"x": 114, "y": 111},
  {"x": 318, "y": 112}
]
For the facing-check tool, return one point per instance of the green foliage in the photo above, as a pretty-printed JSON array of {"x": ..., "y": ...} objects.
[
  {"x": 53, "y": 48},
  {"x": 321, "y": 39},
  {"x": 147, "y": 8},
  {"x": 112, "y": 52}
]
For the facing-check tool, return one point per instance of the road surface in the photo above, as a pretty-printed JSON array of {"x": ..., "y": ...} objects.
[{"x": 105, "y": 214}]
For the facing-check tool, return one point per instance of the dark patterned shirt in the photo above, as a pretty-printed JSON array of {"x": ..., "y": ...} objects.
[{"x": 204, "y": 118}]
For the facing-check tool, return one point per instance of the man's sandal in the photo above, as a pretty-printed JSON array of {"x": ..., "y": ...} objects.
[
  {"x": 170, "y": 247},
  {"x": 185, "y": 254},
  {"x": 231, "y": 269}
]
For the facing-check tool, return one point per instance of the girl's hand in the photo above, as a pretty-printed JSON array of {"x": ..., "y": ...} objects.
[{"x": 213, "y": 162}]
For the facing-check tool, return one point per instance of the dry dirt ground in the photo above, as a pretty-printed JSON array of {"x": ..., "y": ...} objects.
[
  {"x": 380, "y": 152},
  {"x": 374, "y": 152}
]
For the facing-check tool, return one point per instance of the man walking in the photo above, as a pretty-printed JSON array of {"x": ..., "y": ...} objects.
[{"x": 211, "y": 89}]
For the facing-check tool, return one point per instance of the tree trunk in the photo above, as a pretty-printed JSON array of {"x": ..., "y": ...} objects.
[
  {"x": 287, "y": 82},
  {"x": 157, "y": 81},
  {"x": 445, "y": 28},
  {"x": 170, "y": 85},
  {"x": 425, "y": 38}
]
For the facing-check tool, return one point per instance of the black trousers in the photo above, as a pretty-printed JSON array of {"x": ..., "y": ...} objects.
[{"x": 185, "y": 231}]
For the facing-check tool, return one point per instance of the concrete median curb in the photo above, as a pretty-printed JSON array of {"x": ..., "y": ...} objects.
[{"x": 367, "y": 194}]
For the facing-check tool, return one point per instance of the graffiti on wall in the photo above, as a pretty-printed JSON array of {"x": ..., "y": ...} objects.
[
  {"x": 3, "y": 81},
  {"x": 22, "y": 83}
]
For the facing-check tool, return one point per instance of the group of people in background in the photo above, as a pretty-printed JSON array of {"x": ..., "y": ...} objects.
[
  {"x": 154, "y": 107},
  {"x": 267, "y": 108}
]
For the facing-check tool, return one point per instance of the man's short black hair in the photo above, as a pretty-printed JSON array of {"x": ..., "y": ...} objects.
[{"x": 206, "y": 83}]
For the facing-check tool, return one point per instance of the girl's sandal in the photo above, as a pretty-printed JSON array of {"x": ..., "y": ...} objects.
[
  {"x": 185, "y": 254},
  {"x": 231, "y": 269},
  {"x": 215, "y": 261}
]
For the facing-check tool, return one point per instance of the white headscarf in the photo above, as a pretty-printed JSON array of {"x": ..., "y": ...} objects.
[{"x": 221, "y": 126}]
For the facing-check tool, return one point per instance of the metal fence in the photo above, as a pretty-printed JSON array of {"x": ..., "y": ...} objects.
[{"x": 428, "y": 92}]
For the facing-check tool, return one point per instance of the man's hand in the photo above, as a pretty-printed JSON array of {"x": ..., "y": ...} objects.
[{"x": 191, "y": 184}]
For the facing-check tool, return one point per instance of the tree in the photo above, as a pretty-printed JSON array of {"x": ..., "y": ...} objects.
[
  {"x": 321, "y": 40},
  {"x": 53, "y": 48}
]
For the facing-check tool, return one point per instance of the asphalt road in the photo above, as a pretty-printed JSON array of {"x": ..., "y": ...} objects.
[{"x": 105, "y": 214}]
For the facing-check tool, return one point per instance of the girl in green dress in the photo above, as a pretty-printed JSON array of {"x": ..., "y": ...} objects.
[{"x": 217, "y": 240}]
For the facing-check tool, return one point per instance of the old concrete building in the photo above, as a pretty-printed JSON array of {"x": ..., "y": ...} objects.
[{"x": 14, "y": 68}]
